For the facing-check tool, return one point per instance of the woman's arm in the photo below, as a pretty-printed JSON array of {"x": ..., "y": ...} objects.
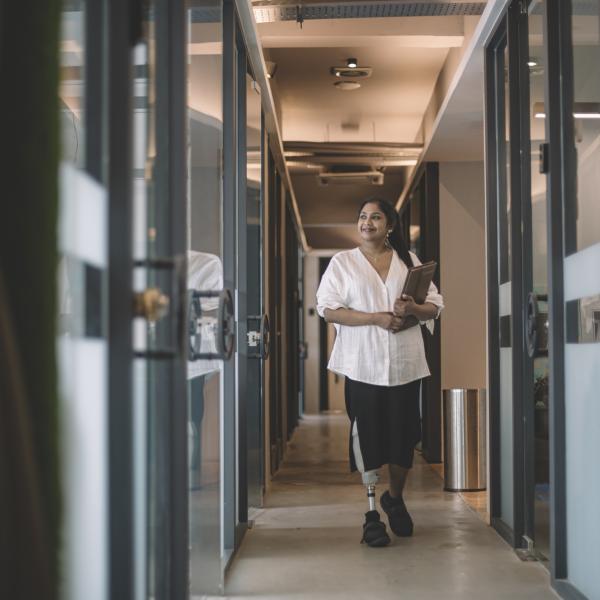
[{"x": 356, "y": 318}]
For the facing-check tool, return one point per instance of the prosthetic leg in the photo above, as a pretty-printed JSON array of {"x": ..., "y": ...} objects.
[
  {"x": 369, "y": 478},
  {"x": 374, "y": 533}
]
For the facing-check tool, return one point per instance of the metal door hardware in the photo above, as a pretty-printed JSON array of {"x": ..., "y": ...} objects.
[
  {"x": 204, "y": 329},
  {"x": 536, "y": 324},
  {"x": 153, "y": 305},
  {"x": 259, "y": 340}
]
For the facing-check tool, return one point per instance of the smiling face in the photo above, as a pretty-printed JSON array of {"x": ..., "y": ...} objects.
[{"x": 372, "y": 223}]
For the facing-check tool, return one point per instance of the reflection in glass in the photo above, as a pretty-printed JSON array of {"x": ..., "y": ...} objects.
[
  {"x": 254, "y": 282},
  {"x": 505, "y": 290},
  {"x": 584, "y": 230},
  {"x": 149, "y": 478},
  {"x": 205, "y": 272},
  {"x": 72, "y": 81},
  {"x": 539, "y": 252}
]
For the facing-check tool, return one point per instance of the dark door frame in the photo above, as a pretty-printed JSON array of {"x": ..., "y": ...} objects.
[{"x": 427, "y": 182}]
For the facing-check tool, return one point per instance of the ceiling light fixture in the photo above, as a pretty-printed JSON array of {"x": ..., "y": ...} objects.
[
  {"x": 581, "y": 110},
  {"x": 352, "y": 63},
  {"x": 532, "y": 62},
  {"x": 347, "y": 85},
  {"x": 271, "y": 69}
]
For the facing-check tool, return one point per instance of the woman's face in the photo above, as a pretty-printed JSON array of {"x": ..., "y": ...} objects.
[{"x": 372, "y": 223}]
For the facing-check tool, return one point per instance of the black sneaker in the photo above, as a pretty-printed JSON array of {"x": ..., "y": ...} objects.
[
  {"x": 374, "y": 533},
  {"x": 400, "y": 522}
]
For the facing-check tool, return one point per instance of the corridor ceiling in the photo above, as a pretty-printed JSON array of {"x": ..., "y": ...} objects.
[{"x": 376, "y": 128}]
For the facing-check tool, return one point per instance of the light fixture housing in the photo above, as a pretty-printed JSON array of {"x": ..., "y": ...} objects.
[
  {"x": 352, "y": 63},
  {"x": 348, "y": 73},
  {"x": 271, "y": 69},
  {"x": 581, "y": 110},
  {"x": 347, "y": 86},
  {"x": 351, "y": 178}
]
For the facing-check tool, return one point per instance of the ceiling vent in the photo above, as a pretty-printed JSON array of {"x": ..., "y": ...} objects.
[
  {"x": 352, "y": 72},
  {"x": 351, "y": 178},
  {"x": 269, "y": 11}
]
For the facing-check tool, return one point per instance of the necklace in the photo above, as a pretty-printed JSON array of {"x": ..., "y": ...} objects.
[{"x": 373, "y": 257}]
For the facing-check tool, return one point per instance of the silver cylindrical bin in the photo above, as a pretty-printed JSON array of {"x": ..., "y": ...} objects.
[{"x": 465, "y": 448}]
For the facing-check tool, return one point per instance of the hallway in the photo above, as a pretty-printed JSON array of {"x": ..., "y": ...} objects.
[{"x": 304, "y": 544}]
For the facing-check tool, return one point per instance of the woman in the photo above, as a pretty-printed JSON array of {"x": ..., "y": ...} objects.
[{"x": 383, "y": 363}]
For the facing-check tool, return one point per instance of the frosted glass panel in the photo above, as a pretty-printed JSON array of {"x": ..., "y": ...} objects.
[
  {"x": 506, "y": 436},
  {"x": 582, "y": 362}
]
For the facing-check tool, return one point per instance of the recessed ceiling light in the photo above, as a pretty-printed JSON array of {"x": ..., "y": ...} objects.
[
  {"x": 532, "y": 63},
  {"x": 581, "y": 110},
  {"x": 271, "y": 69},
  {"x": 352, "y": 63},
  {"x": 347, "y": 85}
]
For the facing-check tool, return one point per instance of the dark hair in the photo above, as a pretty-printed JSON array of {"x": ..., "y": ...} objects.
[{"x": 395, "y": 238}]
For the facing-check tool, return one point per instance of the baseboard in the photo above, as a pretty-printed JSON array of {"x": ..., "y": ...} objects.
[
  {"x": 506, "y": 533},
  {"x": 567, "y": 590}
]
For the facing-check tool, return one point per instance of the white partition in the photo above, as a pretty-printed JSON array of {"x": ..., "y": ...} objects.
[
  {"x": 582, "y": 425},
  {"x": 83, "y": 372}
]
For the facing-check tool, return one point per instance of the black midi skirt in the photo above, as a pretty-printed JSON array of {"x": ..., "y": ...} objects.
[{"x": 388, "y": 420}]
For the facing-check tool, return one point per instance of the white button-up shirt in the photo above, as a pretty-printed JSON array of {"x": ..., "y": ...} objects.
[{"x": 369, "y": 353}]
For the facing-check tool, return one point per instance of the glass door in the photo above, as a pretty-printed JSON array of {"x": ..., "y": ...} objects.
[
  {"x": 159, "y": 409},
  {"x": 499, "y": 194},
  {"x": 258, "y": 323},
  {"x": 210, "y": 344},
  {"x": 535, "y": 272}
]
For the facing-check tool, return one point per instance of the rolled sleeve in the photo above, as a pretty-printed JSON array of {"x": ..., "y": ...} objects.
[
  {"x": 331, "y": 290},
  {"x": 435, "y": 298}
]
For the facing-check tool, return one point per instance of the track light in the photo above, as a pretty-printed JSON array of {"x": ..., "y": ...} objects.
[{"x": 352, "y": 63}]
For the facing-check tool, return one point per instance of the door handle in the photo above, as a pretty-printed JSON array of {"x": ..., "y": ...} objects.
[
  {"x": 153, "y": 305},
  {"x": 536, "y": 326},
  {"x": 259, "y": 340},
  {"x": 201, "y": 326}
]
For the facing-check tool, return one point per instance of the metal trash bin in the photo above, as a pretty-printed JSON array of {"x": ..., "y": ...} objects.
[{"x": 465, "y": 446}]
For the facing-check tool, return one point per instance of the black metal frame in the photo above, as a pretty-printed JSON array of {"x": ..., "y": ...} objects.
[
  {"x": 229, "y": 254},
  {"x": 171, "y": 139},
  {"x": 494, "y": 124},
  {"x": 242, "y": 285},
  {"x": 562, "y": 184},
  {"x": 120, "y": 313},
  {"x": 520, "y": 255},
  {"x": 510, "y": 34},
  {"x": 427, "y": 180}
]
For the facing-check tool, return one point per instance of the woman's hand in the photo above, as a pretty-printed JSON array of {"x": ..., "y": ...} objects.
[
  {"x": 404, "y": 306},
  {"x": 388, "y": 321}
]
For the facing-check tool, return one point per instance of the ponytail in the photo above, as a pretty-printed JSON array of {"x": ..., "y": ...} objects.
[{"x": 395, "y": 237}]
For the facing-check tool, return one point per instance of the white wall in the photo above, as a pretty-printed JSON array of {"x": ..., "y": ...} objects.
[
  {"x": 311, "y": 334},
  {"x": 463, "y": 274}
]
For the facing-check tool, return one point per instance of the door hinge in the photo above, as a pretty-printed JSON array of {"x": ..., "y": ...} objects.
[{"x": 544, "y": 158}]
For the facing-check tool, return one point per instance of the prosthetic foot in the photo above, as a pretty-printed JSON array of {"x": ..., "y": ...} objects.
[{"x": 374, "y": 531}]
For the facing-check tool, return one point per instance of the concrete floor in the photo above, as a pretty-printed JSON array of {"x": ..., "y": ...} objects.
[{"x": 305, "y": 542}]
